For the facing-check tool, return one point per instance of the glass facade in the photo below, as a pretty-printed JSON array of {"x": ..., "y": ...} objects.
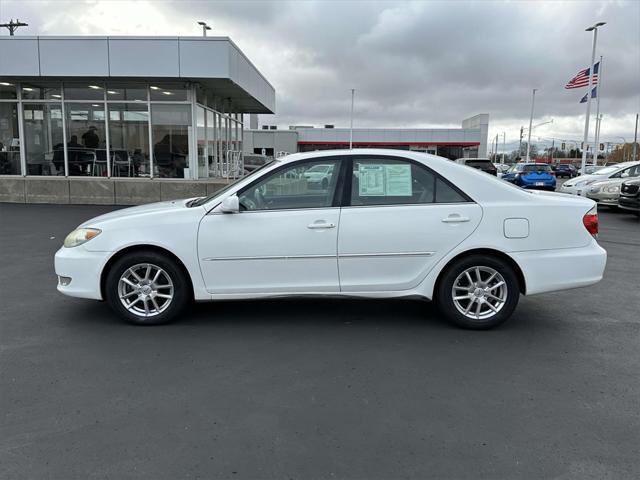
[
  {"x": 9, "y": 139},
  {"x": 117, "y": 129},
  {"x": 43, "y": 138}
]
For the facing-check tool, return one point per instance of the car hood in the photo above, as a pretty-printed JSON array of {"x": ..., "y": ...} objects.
[
  {"x": 582, "y": 178},
  {"x": 609, "y": 181},
  {"x": 157, "y": 207}
]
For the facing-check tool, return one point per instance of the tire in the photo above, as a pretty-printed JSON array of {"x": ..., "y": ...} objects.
[
  {"x": 485, "y": 317},
  {"x": 164, "y": 278}
]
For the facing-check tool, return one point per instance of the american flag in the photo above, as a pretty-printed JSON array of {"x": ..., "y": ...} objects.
[{"x": 582, "y": 78}]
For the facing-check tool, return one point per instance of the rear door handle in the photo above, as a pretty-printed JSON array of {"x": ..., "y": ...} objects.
[
  {"x": 320, "y": 225},
  {"x": 455, "y": 219}
]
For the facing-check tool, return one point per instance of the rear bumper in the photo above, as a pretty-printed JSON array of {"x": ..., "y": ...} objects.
[
  {"x": 561, "y": 269},
  {"x": 83, "y": 268}
]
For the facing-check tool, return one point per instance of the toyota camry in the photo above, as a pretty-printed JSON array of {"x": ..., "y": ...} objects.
[{"x": 386, "y": 223}]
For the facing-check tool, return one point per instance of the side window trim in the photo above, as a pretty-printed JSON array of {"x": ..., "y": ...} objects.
[
  {"x": 346, "y": 197},
  {"x": 340, "y": 161}
]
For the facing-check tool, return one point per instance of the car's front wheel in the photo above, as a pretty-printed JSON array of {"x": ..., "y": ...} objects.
[
  {"x": 147, "y": 288},
  {"x": 478, "y": 292}
]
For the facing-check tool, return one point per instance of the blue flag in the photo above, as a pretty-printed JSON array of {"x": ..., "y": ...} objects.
[{"x": 594, "y": 94}]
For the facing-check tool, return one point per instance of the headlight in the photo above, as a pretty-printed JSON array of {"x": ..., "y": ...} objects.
[
  {"x": 595, "y": 189},
  {"x": 612, "y": 189},
  {"x": 80, "y": 236}
]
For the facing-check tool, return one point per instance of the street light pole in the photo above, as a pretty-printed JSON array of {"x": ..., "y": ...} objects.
[
  {"x": 205, "y": 27},
  {"x": 533, "y": 102},
  {"x": 353, "y": 93},
  {"x": 596, "y": 143},
  {"x": 504, "y": 145},
  {"x": 593, "y": 28},
  {"x": 635, "y": 141}
]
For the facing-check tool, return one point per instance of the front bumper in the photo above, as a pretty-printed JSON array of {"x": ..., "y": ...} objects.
[
  {"x": 561, "y": 269},
  {"x": 574, "y": 190},
  {"x": 629, "y": 203},
  {"x": 84, "y": 268},
  {"x": 603, "y": 198}
]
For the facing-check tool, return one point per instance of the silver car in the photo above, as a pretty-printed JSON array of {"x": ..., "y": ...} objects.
[{"x": 606, "y": 192}]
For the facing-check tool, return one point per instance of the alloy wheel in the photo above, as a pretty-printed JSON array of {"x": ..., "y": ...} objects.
[
  {"x": 145, "y": 289},
  {"x": 479, "y": 292}
]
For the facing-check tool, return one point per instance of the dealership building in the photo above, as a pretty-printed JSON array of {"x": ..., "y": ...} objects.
[
  {"x": 123, "y": 119},
  {"x": 468, "y": 141}
]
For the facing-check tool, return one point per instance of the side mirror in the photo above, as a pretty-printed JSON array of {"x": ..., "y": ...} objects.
[{"x": 230, "y": 205}]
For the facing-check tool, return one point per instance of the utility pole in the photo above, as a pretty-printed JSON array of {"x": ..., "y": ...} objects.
[
  {"x": 594, "y": 29},
  {"x": 353, "y": 93},
  {"x": 533, "y": 102},
  {"x": 504, "y": 145},
  {"x": 13, "y": 26},
  {"x": 635, "y": 141},
  {"x": 495, "y": 158}
]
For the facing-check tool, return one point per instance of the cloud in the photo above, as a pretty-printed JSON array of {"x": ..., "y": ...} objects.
[{"x": 412, "y": 63}]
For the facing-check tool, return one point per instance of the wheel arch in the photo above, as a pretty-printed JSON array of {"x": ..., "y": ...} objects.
[
  {"x": 142, "y": 248},
  {"x": 522, "y": 285}
]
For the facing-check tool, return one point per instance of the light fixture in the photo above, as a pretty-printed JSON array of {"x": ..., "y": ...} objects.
[
  {"x": 27, "y": 89},
  {"x": 95, "y": 87},
  {"x": 167, "y": 93},
  {"x": 56, "y": 95},
  {"x": 6, "y": 84},
  {"x": 112, "y": 92},
  {"x": 95, "y": 105},
  {"x": 154, "y": 88}
]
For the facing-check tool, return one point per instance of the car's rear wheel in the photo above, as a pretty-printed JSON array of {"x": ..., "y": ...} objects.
[
  {"x": 147, "y": 288},
  {"x": 478, "y": 292}
]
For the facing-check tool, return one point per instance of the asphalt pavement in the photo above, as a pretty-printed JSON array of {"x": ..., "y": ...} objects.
[{"x": 308, "y": 388}]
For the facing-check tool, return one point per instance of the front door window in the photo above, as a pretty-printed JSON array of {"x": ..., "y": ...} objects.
[{"x": 301, "y": 185}]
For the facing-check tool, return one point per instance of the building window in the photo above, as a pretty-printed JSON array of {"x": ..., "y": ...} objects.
[
  {"x": 129, "y": 139},
  {"x": 41, "y": 91},
  {"x": 127, "y": 93},
  {"x": 168, "y": 93},
  {"x": 202, "y": 142},
  {"x": 7, "y": 91},
  {"x": 9, "y": 139},
  {"x": 86, "y": 139},
  {"x": 43, "y": 138},
  {"x": 211, "y": 141},
  {"x": 170, "y": 126},
  {"x": 84, "y": 91}
]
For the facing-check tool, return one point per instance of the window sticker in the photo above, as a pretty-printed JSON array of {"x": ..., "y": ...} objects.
[
  {"x": 384, "y": 180},
  {"x": 398, "y": 180},
  {"x": 371, "y": 180}
]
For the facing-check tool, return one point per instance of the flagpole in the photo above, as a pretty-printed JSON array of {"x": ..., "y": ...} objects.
[
  {"x": 533, "y": 102},
  {"x": 598, "y": 87},
  {"x": 585, "y": 143}
]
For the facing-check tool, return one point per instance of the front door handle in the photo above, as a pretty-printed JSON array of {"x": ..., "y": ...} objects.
[
  {"x": 455, "y": 219},
  {"x": 321, "y": 224}
]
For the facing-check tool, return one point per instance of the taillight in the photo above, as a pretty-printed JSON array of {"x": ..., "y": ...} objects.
[{"x": 590, "y": 221}]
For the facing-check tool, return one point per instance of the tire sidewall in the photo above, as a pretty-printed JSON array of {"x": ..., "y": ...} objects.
[
  {"x": 444, "y": 298},
  {"x": 178, "y": 278}
]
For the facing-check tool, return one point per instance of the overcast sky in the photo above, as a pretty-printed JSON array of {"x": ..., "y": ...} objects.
[{"x": 413, "y": 64}]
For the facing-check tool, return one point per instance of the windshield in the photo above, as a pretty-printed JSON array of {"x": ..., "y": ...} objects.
[
  {"x": 606, "y": 170},
  {"x": 201, "y": 201},
  {"x": 481, "y": 164},
  {"x": 536, "y": 168}
]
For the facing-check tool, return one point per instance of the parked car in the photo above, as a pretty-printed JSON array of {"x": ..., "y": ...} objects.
[
  {"x": 501, "y": 168},
  {"x": 483, "y": 164},
  {"x": 408, "y": 225},
  {"x": 606, "y": 192},
  {"x": 629, "y": 198},
  {"x": 319, "y": 175},
  {"x": 565, "y": 170},
  {"x": 537, "y": 176},
  {"x": 579, "y": 185}
]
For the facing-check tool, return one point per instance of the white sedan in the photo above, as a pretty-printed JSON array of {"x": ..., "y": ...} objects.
[
  {"x": 389, "y": 224},
  {"x": 580, "y": 185}
]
